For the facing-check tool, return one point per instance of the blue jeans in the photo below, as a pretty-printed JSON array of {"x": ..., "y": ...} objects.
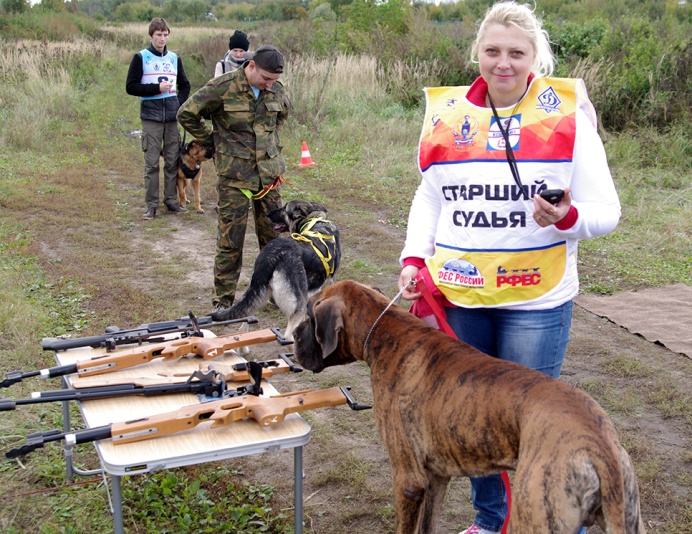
[{"x": 537, "y": 339}]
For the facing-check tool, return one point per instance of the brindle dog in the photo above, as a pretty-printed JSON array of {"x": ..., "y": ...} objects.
[
  {"x": 444, "y": 409},
  {"x": 192, "y": 155}
]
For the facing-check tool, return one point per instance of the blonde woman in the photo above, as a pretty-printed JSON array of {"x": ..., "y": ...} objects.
[{"x": 513, "y": 175}]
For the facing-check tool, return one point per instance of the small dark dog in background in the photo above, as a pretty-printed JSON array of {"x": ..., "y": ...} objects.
[
  {"x": 192, "y": 155},
  {"x": 291, "y": 269}
]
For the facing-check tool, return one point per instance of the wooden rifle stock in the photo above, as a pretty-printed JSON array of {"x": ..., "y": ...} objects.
[
  {"x": 267, "y": 411},
  {"x": 270, "y": 411},
  {"x": 207, "y": 347},
  {"x": 213, "y": 347}
]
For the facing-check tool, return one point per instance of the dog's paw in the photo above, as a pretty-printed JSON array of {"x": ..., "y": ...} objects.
[{"x": 200, "y": 210}]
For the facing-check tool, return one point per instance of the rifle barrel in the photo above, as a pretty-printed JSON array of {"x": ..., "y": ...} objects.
[
  {"x": 207, "y": 387},
  {"x": 140, "y": 334},
  {"x": 99, "y": 342}
]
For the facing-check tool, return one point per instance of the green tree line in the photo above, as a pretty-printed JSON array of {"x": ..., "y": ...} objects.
[{"x": 635, "y": 55}]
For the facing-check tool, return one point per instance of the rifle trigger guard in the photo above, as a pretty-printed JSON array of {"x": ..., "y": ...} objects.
[
  {"x": 351, "y": 401},
  {"x": 111, "y": 345}
]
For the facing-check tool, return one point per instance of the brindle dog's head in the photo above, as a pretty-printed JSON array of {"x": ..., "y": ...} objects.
[
  {"x": 291, "y": 216},
  {"x": 337, "y": 324}
]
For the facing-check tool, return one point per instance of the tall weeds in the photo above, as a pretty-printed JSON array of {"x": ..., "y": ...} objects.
[
  {"x": 41, "y": 84},
  {"x": 341, "y": 80}
]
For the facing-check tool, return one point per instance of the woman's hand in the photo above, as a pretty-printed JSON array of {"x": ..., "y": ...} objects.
[
  {"x": 545, "y": 214},
  {"x": 408, "y": 273}
]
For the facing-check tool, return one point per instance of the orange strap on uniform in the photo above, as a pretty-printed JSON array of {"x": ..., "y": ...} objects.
[{"x": 276, "y": 182}]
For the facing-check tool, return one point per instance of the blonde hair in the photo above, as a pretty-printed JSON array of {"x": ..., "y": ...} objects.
[{"x": 520, "y": 16}]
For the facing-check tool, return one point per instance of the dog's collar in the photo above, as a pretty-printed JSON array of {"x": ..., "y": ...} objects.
[
  {"x": 306, "y": 233},
  {"x": 187, "y": 171}
]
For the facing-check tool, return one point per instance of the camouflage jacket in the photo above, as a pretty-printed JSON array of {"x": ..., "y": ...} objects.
[{"x": 245, "y": 131}]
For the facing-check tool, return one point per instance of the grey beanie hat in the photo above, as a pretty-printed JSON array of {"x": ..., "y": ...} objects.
[{"x": 239, "y": 40}]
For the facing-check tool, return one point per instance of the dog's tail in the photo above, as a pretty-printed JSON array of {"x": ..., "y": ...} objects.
[
  {"x": 620, "y": 496},
  {"x": 272, "y": 260},
  {"x": 253, "y": 299},
  {"x": 633, "y": 516}
]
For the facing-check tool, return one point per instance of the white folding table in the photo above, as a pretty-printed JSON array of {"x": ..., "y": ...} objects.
[{"x": 198, "y": 445}]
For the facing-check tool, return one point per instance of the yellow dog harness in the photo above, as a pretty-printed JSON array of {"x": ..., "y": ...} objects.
[{"x": 306, "y": 233}]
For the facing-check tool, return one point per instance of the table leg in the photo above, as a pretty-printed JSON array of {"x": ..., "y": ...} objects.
[
  {"x": 69, "y": 472},
  {"x": 117, "y": 504},
  {"x": 298, "y": 488}
]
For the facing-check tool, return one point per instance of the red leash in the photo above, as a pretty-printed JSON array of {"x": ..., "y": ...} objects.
[{"x": 444, "y": 326}]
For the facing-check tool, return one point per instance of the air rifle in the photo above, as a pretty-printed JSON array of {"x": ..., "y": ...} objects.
[
  {"x": 232, "y": 373},
  {"x": 207, "y": 347},
  {"x": 186, "y": 326},
  {"x": 267, "y": 411},
  {"x": 208, "y": 384}
]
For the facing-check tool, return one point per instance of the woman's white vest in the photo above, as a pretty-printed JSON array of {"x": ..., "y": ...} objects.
[{"x": 489, "y": 252}]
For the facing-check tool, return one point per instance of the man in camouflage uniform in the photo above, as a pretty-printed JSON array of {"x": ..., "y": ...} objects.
[{"x": 247, "y": 107}]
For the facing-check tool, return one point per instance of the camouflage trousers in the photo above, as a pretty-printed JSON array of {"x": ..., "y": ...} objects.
[{"x": 233, "y": 218}]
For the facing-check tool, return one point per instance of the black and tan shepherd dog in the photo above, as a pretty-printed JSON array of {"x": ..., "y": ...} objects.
[
  {"x": 192, "y": 155},
  {"x": 290, "y": 269}
]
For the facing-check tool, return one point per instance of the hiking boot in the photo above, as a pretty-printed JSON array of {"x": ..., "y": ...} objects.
[
  {"x": 475, "y": 529},
  {"x": 150, "y": 213},
  {"x": 176, "y": 208}
]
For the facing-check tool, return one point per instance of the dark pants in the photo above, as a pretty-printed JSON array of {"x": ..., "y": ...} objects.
[
  {"x": 233, "y": 217},
  {"x": 155, "y": 136}
]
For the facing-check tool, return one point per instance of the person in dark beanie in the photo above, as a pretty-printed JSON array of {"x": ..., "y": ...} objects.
[
  {"x": 238, "y": 44},
  {"x": 157, "y": 77},
  {"x": 247, "y": 108}
]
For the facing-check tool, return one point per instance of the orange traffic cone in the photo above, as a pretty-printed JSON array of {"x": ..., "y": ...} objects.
[{"x": 305, "y": 159}]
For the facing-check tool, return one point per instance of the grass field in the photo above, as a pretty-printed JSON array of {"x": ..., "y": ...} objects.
[{"x": 76, "y": 256}]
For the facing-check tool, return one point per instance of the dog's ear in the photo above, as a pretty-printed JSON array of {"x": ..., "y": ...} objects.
[
  {"x": 301, "y": 208},
  {"x": 318, "y": 207},
  {"x": 328, "y": 316}
]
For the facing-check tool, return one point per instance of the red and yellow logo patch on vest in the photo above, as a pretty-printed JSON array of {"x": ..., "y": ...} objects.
[
  {"x": 456, "y": 131},
  {"x": 495, "y": 278}
]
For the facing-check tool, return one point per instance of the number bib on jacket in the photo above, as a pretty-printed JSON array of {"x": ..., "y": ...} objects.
[{"x": 156, "y": 69}]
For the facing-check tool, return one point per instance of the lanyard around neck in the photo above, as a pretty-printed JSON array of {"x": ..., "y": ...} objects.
[{"x": 511, "y": 159}]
